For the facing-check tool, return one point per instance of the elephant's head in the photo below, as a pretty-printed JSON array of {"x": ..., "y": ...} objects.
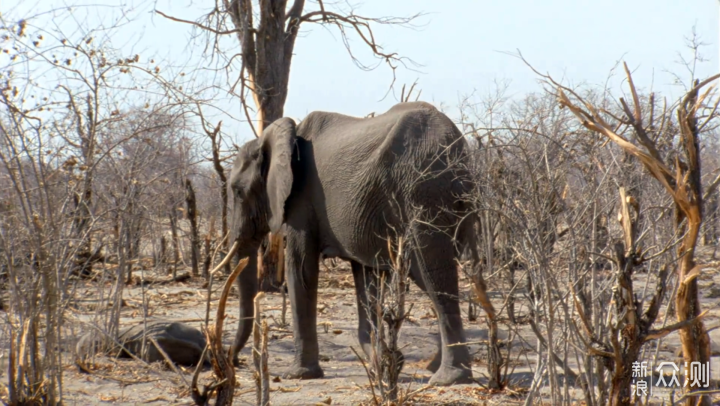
[{"x": 259, "y": 184}]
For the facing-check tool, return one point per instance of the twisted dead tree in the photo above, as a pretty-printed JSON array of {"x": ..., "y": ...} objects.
[
  {"x": 223, "y": 387},
  {"x": 215, "y": 136},
  {"x": 630, "y": 327},
  {"x": 678, "y": 170},
  {"x": 266, "y": 38}
]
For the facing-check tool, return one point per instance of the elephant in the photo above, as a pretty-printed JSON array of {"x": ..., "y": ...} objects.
[
  {"x": 183, "y": 344},
  {"x": 337, "y": 186}
]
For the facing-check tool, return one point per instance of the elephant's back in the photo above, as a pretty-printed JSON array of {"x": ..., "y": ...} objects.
[
  {"x": 371, "y": 169},
  {"x": 409, "y": 133}
]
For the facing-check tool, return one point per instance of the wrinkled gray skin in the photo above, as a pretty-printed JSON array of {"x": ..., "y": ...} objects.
[
  {"x": 183, "y": 344},
  {"x": 335, "y": 182}
]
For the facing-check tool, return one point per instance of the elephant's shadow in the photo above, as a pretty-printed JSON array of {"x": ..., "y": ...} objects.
[{"x": 418, "y": 344}]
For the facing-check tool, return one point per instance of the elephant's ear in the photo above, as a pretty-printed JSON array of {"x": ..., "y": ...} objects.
[{"x": 278, "y": 143}]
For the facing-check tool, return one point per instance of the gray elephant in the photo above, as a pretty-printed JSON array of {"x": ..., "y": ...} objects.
[
  {"x": 340, "y": 186},
  {"x": 183, "y": 344}
]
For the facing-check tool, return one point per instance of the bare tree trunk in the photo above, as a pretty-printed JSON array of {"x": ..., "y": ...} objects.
[
  {"x": 192, "y": 216},
  {"x": 621, "y": 393},
  {"x": 133, "y": 227},
  {"x": 136, "y": 237},
  {"x": 208, "y": 249},
  {"x": 83, "y": 200},
  {"x": 625, "y": 253},
  {"x": 694, "y": 338},
  {"x": 127, "y": 251},
  {"x": 267, "y": 55},
  {"x": 710, "y": 235},
  {"x": 176, "y": 245},
  {"x": 80, "y": 228},
  {"x": 162, "y": 259},
  {"x": 480, "y": 290},
  {"x": 116, "y": 231},
  {"x": 215, "y": 139}
]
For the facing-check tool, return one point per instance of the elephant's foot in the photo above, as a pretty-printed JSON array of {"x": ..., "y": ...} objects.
[
  {"x": 434, "y": 364},
  {"x": 448, "y": 375},
  {"x": 304, "y": 372}
]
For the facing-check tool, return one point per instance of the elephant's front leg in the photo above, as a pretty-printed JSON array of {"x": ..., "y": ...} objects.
[{"x": 301, "y": 271}]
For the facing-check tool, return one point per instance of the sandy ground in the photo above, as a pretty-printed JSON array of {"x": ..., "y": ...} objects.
[{"x": 130, "y": 382}]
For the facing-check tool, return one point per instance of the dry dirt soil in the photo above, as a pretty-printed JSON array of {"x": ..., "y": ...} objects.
[{"x": 131, "y": 382}]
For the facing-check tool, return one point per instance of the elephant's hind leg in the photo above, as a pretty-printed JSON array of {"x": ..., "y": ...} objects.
[
  {"x": 434, "y": 363},
  {"x": 433, "y": 265},
  {"x": 366, "y": 290}
]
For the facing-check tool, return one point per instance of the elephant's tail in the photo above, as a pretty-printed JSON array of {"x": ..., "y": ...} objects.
[
  {"x": 467, "y": 243},
  {"x": 466, "y": 238}
]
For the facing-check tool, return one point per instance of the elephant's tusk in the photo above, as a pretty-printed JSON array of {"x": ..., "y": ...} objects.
[
  {"x": 223, "y": 297},
  {"x": 227, "y": 258}
]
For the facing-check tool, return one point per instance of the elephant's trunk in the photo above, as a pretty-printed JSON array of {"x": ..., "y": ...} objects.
[
  {"x": 246, "y": 230},
  {"x": 247, "y": 284}
]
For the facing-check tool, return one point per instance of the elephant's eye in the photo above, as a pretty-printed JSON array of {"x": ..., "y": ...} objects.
[
  {"x": 255, "y": 154},
  {"x": 237, "y": 190}
]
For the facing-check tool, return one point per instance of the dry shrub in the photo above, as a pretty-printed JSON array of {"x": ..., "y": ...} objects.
[
  {"x": 547, "y": 196},
  {"x": 92, "y": 147}
]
